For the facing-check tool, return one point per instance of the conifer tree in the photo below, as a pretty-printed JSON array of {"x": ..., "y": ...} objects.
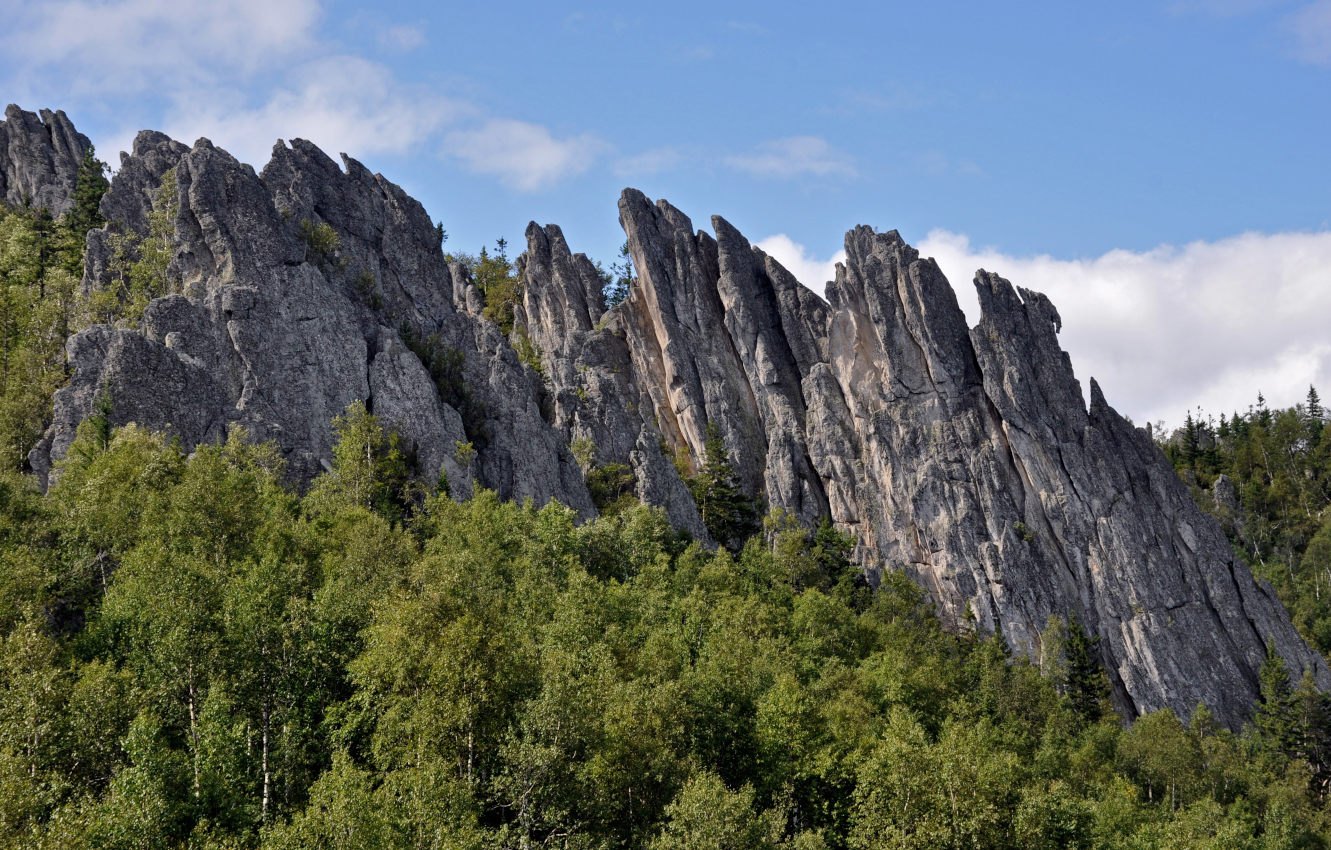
[
  {"x": 1086, "y": 685},
  {"x": 89, "y": 187},
  {"x": 1275, "y": 704},
  {"x": 728, "y": 514}
]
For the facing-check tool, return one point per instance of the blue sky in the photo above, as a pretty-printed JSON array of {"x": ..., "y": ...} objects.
[{"x": 1163, "y": 170}]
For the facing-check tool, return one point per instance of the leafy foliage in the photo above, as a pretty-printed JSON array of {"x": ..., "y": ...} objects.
[
  {"x": 89, "y": 187},
  {"x": 616, "y": 282},
  {"x": 446, "y": 366},
  {"x": 191, "y": 655},
  {"x": 140, "y": 264},
  {"x": 322, "y": 243},
  {"x": 497, "y": 280},
  {"x": 41, "y": 261}
]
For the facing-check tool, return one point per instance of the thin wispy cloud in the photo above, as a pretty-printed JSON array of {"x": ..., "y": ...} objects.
[
  {"x": 1310, "y": 29},
  {"x": 795, "y": 156},
  {"x": 939, "y": 163},
  {"x": 898, "y": 97},
  {"x": 648, "y": 162},
  {"x": 695, "y": 53},
  {"x": 1304, "y": 27},
  {"x": 749, "y": 27},
  {"x": 401, "y": 38},
  {"x": 524, "y": 156},
  {"x": 1223, "y": 8}
]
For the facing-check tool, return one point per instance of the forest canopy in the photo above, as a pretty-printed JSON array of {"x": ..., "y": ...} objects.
[{"x": 194, "y": 655}]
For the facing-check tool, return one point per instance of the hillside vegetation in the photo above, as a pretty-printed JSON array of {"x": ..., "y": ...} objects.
[
  {"x": 196, "y": 656},
  {"x": 1272, "y": 499},
  {"x": 192, "y": 654}
]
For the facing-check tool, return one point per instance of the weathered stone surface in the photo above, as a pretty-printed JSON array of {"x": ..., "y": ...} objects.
[
  {"x": 279, "y": 332},
  {"x": 967, "y": 457},
  {"x": 39, "y": 159},
  {"x": 591, "y": 376}
]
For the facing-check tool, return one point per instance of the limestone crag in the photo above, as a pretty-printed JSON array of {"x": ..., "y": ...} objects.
[
  {"x": 967, "y": 457},
  {"x": 39, "y": 159}
]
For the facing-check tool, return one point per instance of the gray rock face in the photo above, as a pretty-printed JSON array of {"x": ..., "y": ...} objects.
[
  {"x": 39, "y": 159},
  {"x": 967, "y": 457},
  {"x": 279, "y": 329},
  {"x": 595, "y": 393}
]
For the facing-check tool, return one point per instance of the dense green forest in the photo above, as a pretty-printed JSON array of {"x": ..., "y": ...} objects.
[
  {"x": 192, "y": 654},
  {"x": 1272, "y": 499}
]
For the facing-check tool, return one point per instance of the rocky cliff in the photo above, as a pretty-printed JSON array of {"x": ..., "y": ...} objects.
[
  {"x": 276, "y": 328},
  {"x": 967, "y": 457},
  {"x": 39, "y": 159}
]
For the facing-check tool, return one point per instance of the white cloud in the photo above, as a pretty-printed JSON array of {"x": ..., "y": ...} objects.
[
  {"x": 341, "y": 103},
  {"x": 795, "y": 156},
  {"x": 1310, "y": 27},
  {"x": 1209, "y": 323},
  {"x": 695, "y": 53},
  {"x": 135, "y": 44},
  {"x": 401, "y": 38},
  {"x": 243, "y": 73},
  {"x": 807, "y": 269},
  {"x": 522, "y": 155},
  {"x": 648, "y": 162}
]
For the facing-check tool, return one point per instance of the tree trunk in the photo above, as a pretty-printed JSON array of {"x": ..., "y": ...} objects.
[{"x": 267, "y": 778}]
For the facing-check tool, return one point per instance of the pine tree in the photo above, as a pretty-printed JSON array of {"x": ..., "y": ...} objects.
[
  {"x": 1315, "y": 414},
  {"x": 1275, "y": 717},
  {"x": 620, "y": 278},
  {"x": 728, "y": 514},
  {"x": 89, "y": 187},
  {"x": 1086, "y": 685}
]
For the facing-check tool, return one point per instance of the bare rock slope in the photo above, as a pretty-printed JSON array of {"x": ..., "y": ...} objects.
[{"x": 966, "y": 456}]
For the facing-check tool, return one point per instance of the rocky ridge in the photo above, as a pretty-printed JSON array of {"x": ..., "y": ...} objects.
[
  {"x": 39, "y": 159},
  {"x": 968, "y": 457}
]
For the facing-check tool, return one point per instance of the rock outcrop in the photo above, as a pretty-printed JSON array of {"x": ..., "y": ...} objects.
[
  {"x": 39, "y": 159},
  {"x": 967, "y": 457},
  {"x": 296, "y": 293}
]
